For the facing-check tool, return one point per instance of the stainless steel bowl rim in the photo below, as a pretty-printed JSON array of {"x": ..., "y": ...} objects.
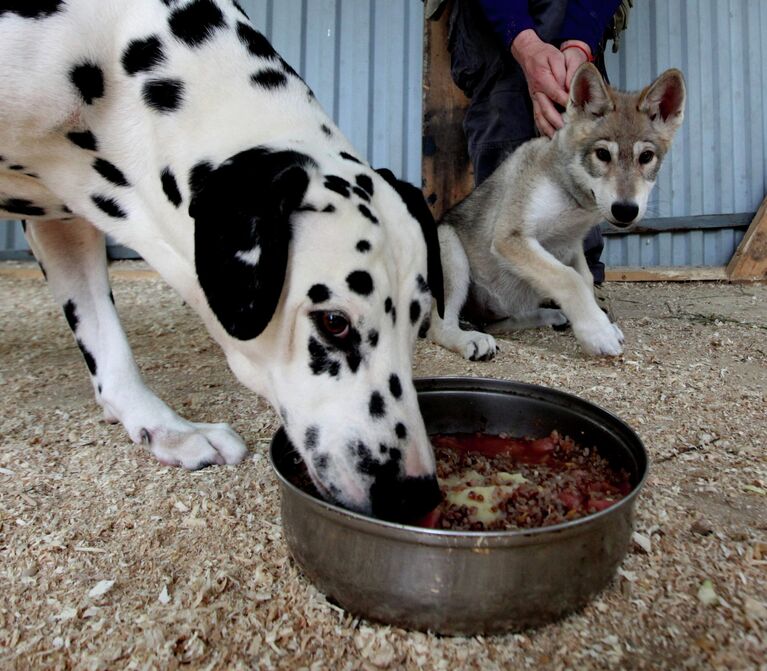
[{"x": 471, "y": 538}]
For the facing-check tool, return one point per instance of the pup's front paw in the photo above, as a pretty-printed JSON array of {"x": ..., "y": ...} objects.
[
  {"x": 200, "y": 446},
  {"x": 479, "y": 346},
  {"x": 601, "y": 340}
]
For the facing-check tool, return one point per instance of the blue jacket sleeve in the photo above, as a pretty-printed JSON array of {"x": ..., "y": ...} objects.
[
  {"x": 586, "y": 20},
  {"x": 507, "y": 18}
]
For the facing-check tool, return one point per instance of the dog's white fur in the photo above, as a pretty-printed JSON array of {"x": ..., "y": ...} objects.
[
  {"x": 327, "y": 416},
  {"x": 516, "y": 241}
]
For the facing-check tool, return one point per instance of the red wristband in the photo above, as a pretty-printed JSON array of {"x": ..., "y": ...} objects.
[{"x": 589, "y": 57}]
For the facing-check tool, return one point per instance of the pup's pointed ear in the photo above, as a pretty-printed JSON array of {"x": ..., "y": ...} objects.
[
  {"x": 416, "y": 204},
  {"x": 663, "y": 101},
  {"x": 241, "y": 213},
  {"x": 588, "y": 93}
]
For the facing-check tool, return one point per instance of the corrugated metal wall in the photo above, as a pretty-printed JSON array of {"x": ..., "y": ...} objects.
[{"x": 363, "y": 59}]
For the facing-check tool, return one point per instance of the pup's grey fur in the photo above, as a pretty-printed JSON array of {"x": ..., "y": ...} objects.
[{"x": 516, "y": 241}]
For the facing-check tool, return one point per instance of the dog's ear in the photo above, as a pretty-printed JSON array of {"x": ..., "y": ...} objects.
[
  {"x": 416, "y": 204},
  {"x": 588, "y": 93},
  {"x": 663, "y": 100},
  {"x": 241, "y": 212}
]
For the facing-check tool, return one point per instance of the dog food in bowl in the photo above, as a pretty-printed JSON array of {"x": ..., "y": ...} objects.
[{"x": 498, "y": 483}]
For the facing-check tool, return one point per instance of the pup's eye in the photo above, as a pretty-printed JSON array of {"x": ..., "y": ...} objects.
[
  {"x": 603, "y": 154},
  {"x": 334, "y": 324},
  {"x": 646, "y": 156}
]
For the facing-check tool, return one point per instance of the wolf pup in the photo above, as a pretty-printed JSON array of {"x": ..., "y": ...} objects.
[{"x": 516, "y": 241}]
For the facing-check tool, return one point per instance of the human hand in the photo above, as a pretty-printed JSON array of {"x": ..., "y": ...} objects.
[
  {"x": 545, "y": 71},
  {"x": 576, "y": 53}
]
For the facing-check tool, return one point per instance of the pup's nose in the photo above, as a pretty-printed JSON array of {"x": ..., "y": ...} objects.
[
  {"x": 404, "y": 499},
  {"x": 625, "y": 212}
]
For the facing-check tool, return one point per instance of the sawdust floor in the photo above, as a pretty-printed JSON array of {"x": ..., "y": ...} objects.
[{"x": 109, "y": 560}]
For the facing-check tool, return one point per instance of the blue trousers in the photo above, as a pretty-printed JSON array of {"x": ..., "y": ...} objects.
[{"x": 500, "y": 113}]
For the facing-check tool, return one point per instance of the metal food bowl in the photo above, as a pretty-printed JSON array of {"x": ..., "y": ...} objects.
[{"x": 469, "y": 582}]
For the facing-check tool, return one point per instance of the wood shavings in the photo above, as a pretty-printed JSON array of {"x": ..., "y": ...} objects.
[
  {"x": 95, "y": 507},
  {"x": 100, "y": 588}
]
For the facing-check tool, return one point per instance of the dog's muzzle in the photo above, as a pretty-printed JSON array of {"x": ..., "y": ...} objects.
[{"x": 404, "y": 499}]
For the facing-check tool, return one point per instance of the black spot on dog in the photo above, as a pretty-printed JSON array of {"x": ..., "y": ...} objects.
[
  {"x": 360, "y": 282},
  {"x": 239, "y": 8},
  {"x": 388, "y": 305},
  {"x": 361, "y": 193},
  {"x": 349, "y": 157},
  {"x": 337, "y": 184},
  {"x": 326, "y": 129},
  {"x": 364, "y": 182},
  {"x": 373, "y": 338},
  {"x": 33, "y": 175},
  {"x": 88, "y": 79},
  {"x": 423, "y": 285},
  {"x": 320, "y": 462},
  {"x": 415, "y": 311},
  {"x": 319, "y": 359},
  {"x": 89, "y": 360},
  {"x": 329, "y": 208},
  {"x": 110, "y": 172},
  {"x": 83, "y": 139},
  {"x": 197, "y": 176},
  {"x": 365, "y": 462},
  {"x": 108, "y": 206},
  {"x": 367, "y": 213},
  {"x": 163, "y": 95},
  {"x": 170, "y": 187},
  {"x": 70, "y": 314},
  {"x": 400, "y": 430},
  {"x": 65, "y": 209},
  {"x": 311, "y": 438},
  {"x": 22, "y": 206},
  {"x": 377, "y": 405},
  {"x": 196, "y": 22},
  {"x": 256, "y": 43},
  {"x": 31, "y": 9},
  {"x": 142, "y": 55},
  {"x": 16, "y": 167},
  {"x": 111, "y": 297},
  {"x": 289, "y": 69},
  {"x": 269, "y": 78},
  {"x": 383, "y": 449},
  {"x": 423, "y": 329},
  {"x": 363, "y": 246},
  {"x": 395, "y": 387},
  {"x": 319, "y": 293}
]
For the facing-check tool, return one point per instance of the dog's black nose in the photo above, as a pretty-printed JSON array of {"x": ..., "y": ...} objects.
[
  {"x": 404, "y": 499},
  {"x": 625, "y": 212}
]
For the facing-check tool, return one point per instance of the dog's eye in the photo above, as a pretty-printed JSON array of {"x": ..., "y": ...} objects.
[
  {"x": 646, "y": 156},
  {"x": 334, "y": 324},
  {"x": 603, "y": 154}
]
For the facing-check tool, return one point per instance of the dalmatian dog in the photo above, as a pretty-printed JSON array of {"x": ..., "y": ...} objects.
[{"x": 174, "y": 127}]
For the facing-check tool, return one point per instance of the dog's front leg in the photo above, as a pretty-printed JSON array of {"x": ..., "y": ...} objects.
[
  {"x": 526, "y": 258},
  {"x": 72, "y": 254},
  {"x": 447, "y": 331}
]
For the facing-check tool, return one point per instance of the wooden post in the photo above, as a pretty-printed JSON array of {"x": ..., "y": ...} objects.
[
  {"x": 749, "y": 262},
  {"x": 447, "y": 173}
]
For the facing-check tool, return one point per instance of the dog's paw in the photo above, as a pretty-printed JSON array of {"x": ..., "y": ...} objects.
[
  {"x": 200, "y": 446},
  {"x": 479, "y": 347},
  {"x": 604, "y": 341}
]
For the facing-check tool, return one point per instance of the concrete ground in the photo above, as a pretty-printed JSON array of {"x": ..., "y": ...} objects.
[{"x": 110, "y": 560}]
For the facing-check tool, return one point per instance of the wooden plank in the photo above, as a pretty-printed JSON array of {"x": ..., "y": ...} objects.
[
  {"x": 750, "y": 259},
  {"x": 666, "y": 274},
  {"x": 447, "y": 172}
]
